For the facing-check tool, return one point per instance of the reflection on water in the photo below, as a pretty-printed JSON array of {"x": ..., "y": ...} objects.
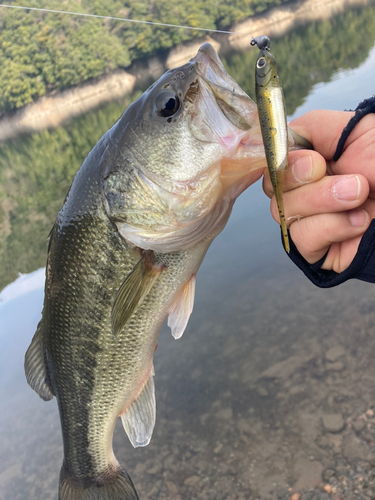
[
  {"x": 314, "y": 54},
  {"x": 269, "y": 392},
  {"x": 345, "y": 90}
]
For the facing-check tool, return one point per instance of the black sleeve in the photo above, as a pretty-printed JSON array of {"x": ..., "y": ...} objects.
[{"x": 363, "y": 264}]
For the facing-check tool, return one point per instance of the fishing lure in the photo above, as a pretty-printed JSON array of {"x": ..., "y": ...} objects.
[{"x": 273, "y": 124}]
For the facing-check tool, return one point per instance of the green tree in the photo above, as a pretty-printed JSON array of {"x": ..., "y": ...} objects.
[{"x": 41, "y": 52}]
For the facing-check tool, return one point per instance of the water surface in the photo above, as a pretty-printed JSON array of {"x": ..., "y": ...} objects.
[{"x": 270, "y": 391}]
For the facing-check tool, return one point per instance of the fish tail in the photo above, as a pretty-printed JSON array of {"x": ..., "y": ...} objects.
[
  {"x": 280, "y": 205},
  {"x": 115, "y": 485}
]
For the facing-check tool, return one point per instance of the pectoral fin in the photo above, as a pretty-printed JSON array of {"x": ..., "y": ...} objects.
[
  {"x": 35, "y": 366},
  {"x": 133, "y": 291},
  {"x": 139, "y": 419},
  {"x": 182, "y": 308}
]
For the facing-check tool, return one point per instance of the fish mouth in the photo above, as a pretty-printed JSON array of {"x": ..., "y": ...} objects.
[
  {"x": 227, "y": 116},
  {"x": 225, "y": 113},
  {"x": 232, "y": 101}
]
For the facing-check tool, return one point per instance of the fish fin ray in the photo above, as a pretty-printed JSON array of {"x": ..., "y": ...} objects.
[
  {"x": 113, "y": 485},
  {"x": 139, "y": 419},
  {"x": 182, "y": 308},
  {"x": 35, "y": 366},
  {"x": 133, "y": 291}
]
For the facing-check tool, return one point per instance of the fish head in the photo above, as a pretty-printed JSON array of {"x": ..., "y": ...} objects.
[
  {"x": 179, "y": 154},
  {"x": 265, "y": 68},
  {"x": 188, "y": 120}
]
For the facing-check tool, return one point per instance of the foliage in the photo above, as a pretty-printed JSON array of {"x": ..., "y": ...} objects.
[{"x": 40, "y": 52}]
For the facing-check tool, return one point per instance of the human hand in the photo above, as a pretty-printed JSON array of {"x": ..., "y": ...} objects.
[{"x": 329, "y": 205}]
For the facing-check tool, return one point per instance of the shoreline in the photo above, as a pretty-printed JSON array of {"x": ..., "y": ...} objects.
[{"x": 61, "y": 107}]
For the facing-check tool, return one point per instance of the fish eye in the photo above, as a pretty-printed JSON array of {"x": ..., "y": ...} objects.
[
  {"x": 261, "y": 62},
  {"x": 167, "y": 104}
]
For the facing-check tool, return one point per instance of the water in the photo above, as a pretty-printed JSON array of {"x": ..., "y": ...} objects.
[
  {"x": 272, "y": 385},
  {"x": 335, "y": 95}
]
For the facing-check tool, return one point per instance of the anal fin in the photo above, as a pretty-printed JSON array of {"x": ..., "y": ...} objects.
[
  {"x": 35, "y": 366},
  {"x": 182, "y": 308},
  {"x": 139, "y": 419},
  {"x": 133, "y": 291}
]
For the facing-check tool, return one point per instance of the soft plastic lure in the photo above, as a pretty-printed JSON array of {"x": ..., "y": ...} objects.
[{"x": 273, "y": 124}]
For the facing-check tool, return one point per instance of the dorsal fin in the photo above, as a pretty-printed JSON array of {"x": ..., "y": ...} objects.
[
  {"x": 133, "y": 291},
  {"x": 139, "y": 419},
  {"x": 182, "y": 308},
  {"x": 35, "y": 366}
]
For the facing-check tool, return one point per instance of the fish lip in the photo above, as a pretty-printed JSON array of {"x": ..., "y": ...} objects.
[
  {"x": 235, "y": 104},
  {"x": 209, "y": 67},
  {"x": 208, "y": 50},
  {"x": 207, "y": 56}
]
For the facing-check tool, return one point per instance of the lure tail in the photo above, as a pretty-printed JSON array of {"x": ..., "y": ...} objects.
[{"x": 278, "y": 190}]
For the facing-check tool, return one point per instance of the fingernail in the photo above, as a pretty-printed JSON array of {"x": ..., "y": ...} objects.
[
  {"x": 357, "y": 218},
  {"x": 302, "y": 168},
  {"x": 347, "y": 188}
]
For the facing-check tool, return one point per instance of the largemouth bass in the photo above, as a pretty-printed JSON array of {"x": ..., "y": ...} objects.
[{"x": 123, "y": 256}]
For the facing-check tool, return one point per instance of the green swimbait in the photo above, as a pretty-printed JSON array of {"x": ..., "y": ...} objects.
[{"x": 273, "y": 124}]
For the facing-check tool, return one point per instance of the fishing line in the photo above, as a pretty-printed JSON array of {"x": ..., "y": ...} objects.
[{"x": 121, "y": 19}]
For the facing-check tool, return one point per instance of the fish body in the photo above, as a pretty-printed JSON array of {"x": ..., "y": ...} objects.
[
  {"x": 123, "y": 255},
  {"x": 273, "y": 124}
]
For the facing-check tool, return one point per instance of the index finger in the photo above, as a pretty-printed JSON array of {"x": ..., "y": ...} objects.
[{"x": 322, "y": 128}]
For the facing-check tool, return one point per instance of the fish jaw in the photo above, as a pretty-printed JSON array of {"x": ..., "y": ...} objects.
[
  {"x": 232, "y": 118},
  {"x": 226, "y": 112},
  {"x": 225, "y": 89}
]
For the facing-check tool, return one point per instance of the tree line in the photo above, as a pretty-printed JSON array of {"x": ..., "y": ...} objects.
[{"x": 41, "y": 52}]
